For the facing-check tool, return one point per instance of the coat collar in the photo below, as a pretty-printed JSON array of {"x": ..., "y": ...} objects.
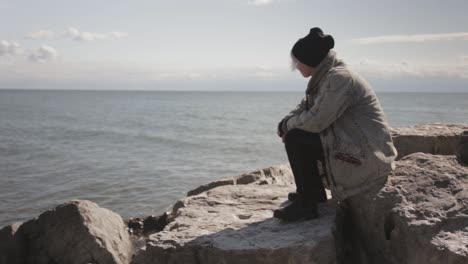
[{"x": 325, "y": 65}]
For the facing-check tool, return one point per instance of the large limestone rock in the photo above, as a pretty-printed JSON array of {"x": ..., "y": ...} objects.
[
  {"x": 420, "y": 216},
  {"x": 234, "y": 224},
  {"x": 438, "y": 139},
  {"x": 75, "y": 232}
]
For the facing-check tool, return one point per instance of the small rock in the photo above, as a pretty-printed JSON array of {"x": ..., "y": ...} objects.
[
  {"x": 135, "y": 226},
  {"x": 153, "y": 224},
  {"x": 248, "y": 178},
  {"x": 209, "y": 186},
  {"x": 135, "y": 223}
]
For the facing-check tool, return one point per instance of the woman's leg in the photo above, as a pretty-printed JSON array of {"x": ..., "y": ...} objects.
[{"x": 304, "y": 149}]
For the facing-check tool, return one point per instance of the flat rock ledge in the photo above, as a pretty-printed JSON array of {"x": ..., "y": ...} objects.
[
  {"x": 235, "y": 224},
  {"x": 436, "y": 138}
]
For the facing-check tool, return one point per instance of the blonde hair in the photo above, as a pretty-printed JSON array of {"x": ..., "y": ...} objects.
[{"x": 294, "y": 62}]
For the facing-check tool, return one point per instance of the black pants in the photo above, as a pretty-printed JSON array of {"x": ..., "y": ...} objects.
[{"x": 304, "y": 149}]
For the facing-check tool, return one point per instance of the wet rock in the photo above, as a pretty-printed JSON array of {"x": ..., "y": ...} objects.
[
  {"x": 153, "y": 224},
  {"x": 438, "y": 139},
  {"x": 75, "y": 232},
  {"x": 135, "y": 223},
  {"x": 420, "y": 216},
  {"x": 135, "y": 226}
]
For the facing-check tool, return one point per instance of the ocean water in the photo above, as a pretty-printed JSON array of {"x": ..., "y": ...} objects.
[{"x": 137, "y": 152}]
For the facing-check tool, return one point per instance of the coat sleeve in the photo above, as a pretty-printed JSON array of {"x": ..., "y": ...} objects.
[
  {"x": 299, "y": 109},
  {"x": 282, "y": 127},
  {"x": 333, "y": 99}
]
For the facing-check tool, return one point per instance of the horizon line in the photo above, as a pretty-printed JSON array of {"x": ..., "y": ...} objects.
[{"x": 196, "y": 90}]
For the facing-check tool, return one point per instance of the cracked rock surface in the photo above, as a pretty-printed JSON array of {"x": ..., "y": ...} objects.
[{"x": 420, "y": 216}]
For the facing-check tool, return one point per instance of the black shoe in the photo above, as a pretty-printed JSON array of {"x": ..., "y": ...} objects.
[
  {"x": 297, "y": 210},
  {"x": 292, "y": 196}
]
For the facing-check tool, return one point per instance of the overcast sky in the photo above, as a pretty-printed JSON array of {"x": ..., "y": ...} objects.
[{"x": 227, "y": 44}]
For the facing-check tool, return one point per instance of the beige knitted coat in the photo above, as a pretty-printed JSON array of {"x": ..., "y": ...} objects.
[{"x": 343, "y": 108}]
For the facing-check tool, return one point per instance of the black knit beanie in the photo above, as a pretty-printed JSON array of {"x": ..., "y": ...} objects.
[{"x": 313, "y": 48}]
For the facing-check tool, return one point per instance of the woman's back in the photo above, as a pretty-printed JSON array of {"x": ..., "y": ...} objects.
[{"x": 360, "y": 147}]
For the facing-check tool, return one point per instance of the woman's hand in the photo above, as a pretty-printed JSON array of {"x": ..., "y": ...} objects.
[
  {"x": 282, "y": 129},
  {"x": 279, "y": 130}
]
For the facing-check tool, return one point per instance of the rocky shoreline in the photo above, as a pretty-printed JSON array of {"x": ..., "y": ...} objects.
[{"x": 420, "y": 216}]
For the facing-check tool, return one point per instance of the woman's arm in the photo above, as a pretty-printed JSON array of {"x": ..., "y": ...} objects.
[
  {"x": 299, "y": 109},
  {"x": 331, "y": 101},
  {"x": 282, "y": 129}
]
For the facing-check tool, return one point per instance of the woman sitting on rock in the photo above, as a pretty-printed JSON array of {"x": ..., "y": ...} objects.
[{"x": 340, "y": 123}]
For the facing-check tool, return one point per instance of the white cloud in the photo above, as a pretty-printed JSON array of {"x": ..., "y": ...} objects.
[
  {"x": 261, "y": 2},
  {"x": 232, "y": 74},
  {"x": 265, "y": 75},
  {"x": 40, "y": 34},
  {"x": 118, "y": 34},
  {"x": 364, "y": 62},
  {"x": 9, "y": 48},
  {"x": 411, "y": 38},
  {"x": 267, "y": 2},
  {"x": 78, "y": 35},
  {"x": 43, "y": 54},
  {"x": 94, "y": 72},
  {"x": 393, "y": 69}
]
